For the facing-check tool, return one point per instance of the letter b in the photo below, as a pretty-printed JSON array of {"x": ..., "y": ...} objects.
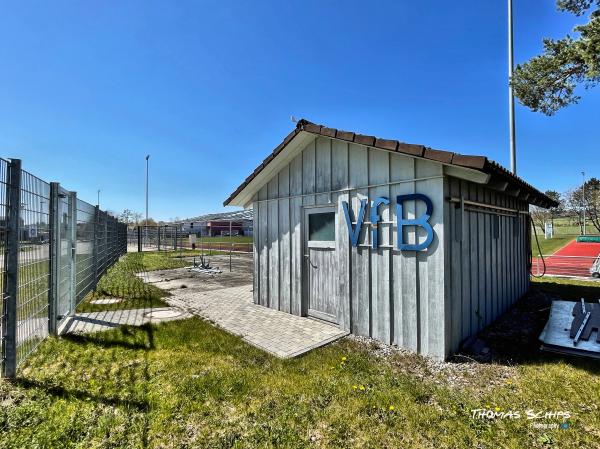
[{"x": 422, "y": 221}]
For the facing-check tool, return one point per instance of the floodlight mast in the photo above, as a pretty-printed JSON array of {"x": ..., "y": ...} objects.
[
  {"x": 583, "y": 204},
  {"x": 511, "y": 97},
  {"x": 147, "y": 158}
]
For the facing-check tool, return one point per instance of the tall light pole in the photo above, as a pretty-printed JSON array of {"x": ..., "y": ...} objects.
[
  {"x": 511, "y": 97},
  {"x": 98, "y": 203},
  {"x": 146, "y": 227},
  {"x": 583, "y": 200},
  {"x": 147, "y": 163}
]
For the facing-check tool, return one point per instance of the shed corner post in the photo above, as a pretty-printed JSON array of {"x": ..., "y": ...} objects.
[
  {"x": 54, "y": 250},
  {"x": 447, "y": 347},
  {"x": 11, "y": 284}
]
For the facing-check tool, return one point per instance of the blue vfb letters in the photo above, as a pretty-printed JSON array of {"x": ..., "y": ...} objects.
[{"x": 422, "y": 221}]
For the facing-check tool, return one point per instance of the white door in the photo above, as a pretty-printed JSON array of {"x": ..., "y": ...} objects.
[{"x": 320, "y": 263}]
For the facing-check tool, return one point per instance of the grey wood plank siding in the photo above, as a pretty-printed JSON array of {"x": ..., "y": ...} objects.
[
  {"x": 339, "y": 180},
  {"x": 396, "y": 297},
  {"x": 255, "y": 254},
  {"x": 296, "y": 255},
  {"x": 488, "y": 254},
  {"x": 358, "y": 176},
  {"x": 285, "y": 247},
  {"x": 404, "y": 289},
  {"x": 381, "y": 301},
  {"x": 432, "y": 300},
  {"x": 273, "y": 243}
]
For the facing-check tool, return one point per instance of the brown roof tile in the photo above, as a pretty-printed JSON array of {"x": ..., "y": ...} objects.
[
  {"x": 386, "y": 144},
  {"x": 477, "y": 162},
  {"x": 329, "y": 132},
  {"x": 364, "y": 140},
  {"x": 345, "y": 135},
  {"x": 480, "y": 163},
  {"x": 411, "y": 149},
  {"x": 312, "y": 128},
  {"x": 438, "y": 155}
]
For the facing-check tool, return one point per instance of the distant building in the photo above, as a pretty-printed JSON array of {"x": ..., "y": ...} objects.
[{"x": 238, "y": 222}]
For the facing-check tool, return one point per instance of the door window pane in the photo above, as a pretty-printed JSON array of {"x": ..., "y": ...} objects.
[{"x": 321, "y": 227}]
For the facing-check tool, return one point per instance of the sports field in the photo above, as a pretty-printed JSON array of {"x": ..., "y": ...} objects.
[{"x": 572, "y": 259}]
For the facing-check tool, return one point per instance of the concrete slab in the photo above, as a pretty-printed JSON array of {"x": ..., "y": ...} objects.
[
  {"x": 278, "y": 333},
  {"x": 182, "y": 278},
  {"x": 105, "y": 301},
  {"x": 162, "y": 314},
  {"x": 101, "y": 321}
]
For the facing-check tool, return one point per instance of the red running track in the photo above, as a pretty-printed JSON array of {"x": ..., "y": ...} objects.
[{"x": 573, "y": 259}]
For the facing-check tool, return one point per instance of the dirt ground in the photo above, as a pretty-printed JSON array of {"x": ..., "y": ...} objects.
[{"x": 170, "y": 280}]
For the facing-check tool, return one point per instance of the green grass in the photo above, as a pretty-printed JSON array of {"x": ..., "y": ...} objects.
[
  {"x": 226, "y": 239},
  {"x": 223, "y": 239},
  {"x": 196, "y": 252},
  {"x": 549, "y": 246},
  {"x": 121, "y": 281},
  {"x": 188, "y": 384},
  {"x": 567, "y": 288},
  {"x": 565, "y": 226}
]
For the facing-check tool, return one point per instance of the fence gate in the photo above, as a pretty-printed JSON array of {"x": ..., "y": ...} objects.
[
  {"x": 53, "y": 249},
  {"x": 65, "y": 254}
]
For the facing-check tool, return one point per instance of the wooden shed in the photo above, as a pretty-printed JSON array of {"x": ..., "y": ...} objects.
[{"x": 400, "y": 242}]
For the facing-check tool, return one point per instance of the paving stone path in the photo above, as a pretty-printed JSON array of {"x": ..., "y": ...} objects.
[{"x": 279, "y": 333}]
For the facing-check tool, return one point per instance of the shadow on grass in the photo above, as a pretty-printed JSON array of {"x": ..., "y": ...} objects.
[
  {"x": 64, "y": 393},
  {"x": 128, "y": 338},
  {"x": 514, "y": 337},
  {"x": 568, "y": 289}
]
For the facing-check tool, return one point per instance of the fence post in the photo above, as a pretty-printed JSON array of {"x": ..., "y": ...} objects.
[
  {"x": 139, "y": 233},
  {"x": 158, "y": 230},
  {"x": 95, "y": 250},
  {"x": 11, "y": 285},
  {"x": 54, "y": 222},
  {"x": 73, "y": 248}
]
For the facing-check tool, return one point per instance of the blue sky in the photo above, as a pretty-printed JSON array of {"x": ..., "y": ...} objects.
[{"x": 87, "y": 89}]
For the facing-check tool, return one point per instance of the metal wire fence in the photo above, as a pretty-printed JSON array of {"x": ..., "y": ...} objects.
[
  {"x": 3, "y": 242},
  {"x": 33, "y": 264},
  {"x": 85, "y": 271},
  {"x": 173, "y": 238},
  {"x": 53, "y": 249}
]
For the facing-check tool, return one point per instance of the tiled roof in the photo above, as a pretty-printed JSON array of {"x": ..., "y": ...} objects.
[
  {"x": 246, "y": 214},
  {"x": 480, "y": 163}
]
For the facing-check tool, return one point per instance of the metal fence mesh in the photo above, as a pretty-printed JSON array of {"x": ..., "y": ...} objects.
[
  {"x": 34, "y": 265},
  {"x": 63, "y": 300},
  {"x": 84, "y": 265},
  {"x": 53, "y": 248},
  {"x": 172, "y": 237},
  {"x": 3, "y": 235}
]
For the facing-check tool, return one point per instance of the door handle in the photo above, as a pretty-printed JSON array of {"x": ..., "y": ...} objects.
[{"x": 309, "y": 262}]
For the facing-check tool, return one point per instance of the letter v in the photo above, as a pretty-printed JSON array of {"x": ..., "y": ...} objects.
[{"x": 354, "y": 231}]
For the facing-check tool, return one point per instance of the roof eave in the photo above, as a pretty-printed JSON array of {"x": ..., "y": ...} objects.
[{"x": 479, "y": 163}]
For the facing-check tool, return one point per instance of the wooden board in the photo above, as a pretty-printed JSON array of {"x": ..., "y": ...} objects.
[{"x": 557, "y": 339}]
